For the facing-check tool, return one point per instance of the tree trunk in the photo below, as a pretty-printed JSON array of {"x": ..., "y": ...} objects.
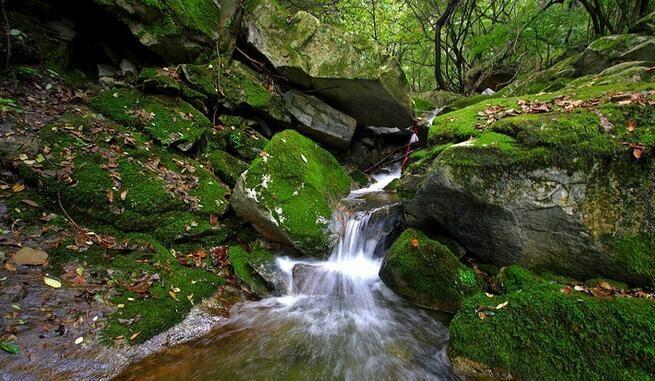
[{"x": 450, "y": 9}]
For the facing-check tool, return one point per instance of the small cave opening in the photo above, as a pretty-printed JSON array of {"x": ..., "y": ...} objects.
[{"x": 95, "y": 40}]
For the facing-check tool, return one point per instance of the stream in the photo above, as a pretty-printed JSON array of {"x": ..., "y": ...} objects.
[{"x": 338, "y": 321}]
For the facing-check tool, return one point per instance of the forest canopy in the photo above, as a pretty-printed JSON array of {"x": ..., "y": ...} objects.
[{"x": 457, "y": 45}]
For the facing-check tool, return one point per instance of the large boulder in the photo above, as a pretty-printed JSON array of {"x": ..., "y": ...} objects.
[
  {"x": 599, "y": 57},
  {"x": 610, "y": 50},
  {"x": 427, "y": 272},
  {"x": 289, "y": 191},
  {"x": 354, "y": 75},
  {"x": 179, "y": 31},
  {"x": 550, "y": 332},
  {"x": 319, "y": 120},
  {"x": 545, "y": 182}
]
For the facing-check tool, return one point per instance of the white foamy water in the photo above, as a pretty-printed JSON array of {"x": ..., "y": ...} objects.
[{"x": 338, "y": 321}]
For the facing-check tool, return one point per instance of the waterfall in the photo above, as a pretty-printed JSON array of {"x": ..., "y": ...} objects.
[{"x": 338, "y": 321}]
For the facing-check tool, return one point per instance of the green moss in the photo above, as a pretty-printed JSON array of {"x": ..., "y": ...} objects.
[
  {"x": 159, "y": 80},
  {"x": 166, "y": 119},
  {"x": 634, "y": 254},
  {"x": 241, "y": 263},
  {"x": 422, "y": 105},
  {"x": 427, "y": 272},
  {"x": 298, "y": 182},
  {"x": 210, "y": 192},
  {"x": 515, "y": 278},
  {"x": 227, "y": 167},
  {"x": 159, "y": 310},
  {"x": 542, "y": 329},
  {"x": 360, "y": 178}
]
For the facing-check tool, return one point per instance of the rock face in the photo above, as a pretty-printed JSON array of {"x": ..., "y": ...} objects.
[
  {"x": 427, "y": 272},
  {"x": 289, "y": 190},
  {"x": 179, "y": 30},
  {"x": 555, "y": 190},
  {"x": 319, "y": 120},
  {"x": 610, "y": 50},
  {"x": 354, "y": 76}
]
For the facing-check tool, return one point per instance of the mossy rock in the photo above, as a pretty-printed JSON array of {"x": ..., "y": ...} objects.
[
  {"x": 118, "y": 177},
  {"x": 352, "y": 74},
  {"x": 242, "y": 89},
  {"x": 560, "y": 190},
  {"x": 167, "y": 120},
  {"x": 289, "y": 192},
  {"x": 227, "y": 167},
  {"x": 606, "y": 51},
  {"x": 542, "y": 333},
  {"x": 515, "y": 278},
  {"x": 427, "y": 272},
  {"x": 181, "y": 31},
  {"x": 244, "y": 142},
  {"x": 173, "y": 290},
  {"x": 241, "y": 263}
]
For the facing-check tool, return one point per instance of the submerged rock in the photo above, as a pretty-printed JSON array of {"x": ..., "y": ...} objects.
[
  {"x": 319, "y": 120},
  {"x": 427, "y": 272},
  {"x": 289, "y": 190},
  {"x": 355, "y": 76}
]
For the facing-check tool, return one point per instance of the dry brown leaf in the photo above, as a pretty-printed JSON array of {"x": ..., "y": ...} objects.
[
  {"x": 415, "y": 242},
  {"x": 31, "y": 203},
  {"x": 18, "y": 187},
  {"x": 637, "y": 152},
  {"x": 30, "y": 257},
  {"x": 631, "y": 125}
]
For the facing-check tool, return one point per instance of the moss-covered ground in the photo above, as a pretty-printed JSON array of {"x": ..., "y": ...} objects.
[{"x": 542, "y": 330}]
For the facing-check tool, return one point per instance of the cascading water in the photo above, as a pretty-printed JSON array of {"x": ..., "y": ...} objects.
[{"x": 337, "y": 322}]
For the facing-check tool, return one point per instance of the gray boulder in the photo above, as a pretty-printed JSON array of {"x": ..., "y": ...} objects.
[
  {"x": 319, "y": 120},
  {"x": 356, "y": 76}
]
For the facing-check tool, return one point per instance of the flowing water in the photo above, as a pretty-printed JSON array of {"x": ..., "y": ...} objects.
[{"x": 337, "y": 321}]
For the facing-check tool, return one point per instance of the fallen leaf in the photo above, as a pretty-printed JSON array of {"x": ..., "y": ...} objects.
[
  {"x": 123, "y": 194},
  {"x": 51, "y": 282},
  {"x": 135, "y": 336},
  {"x": 79, "y": 340},
  {"x": 18, "y": 187},
  {"x": 605, "y": 285},
  {"x": 110, "y": 196},
  {"x": 502, "y": 305},
  {"x": 31, "y": 203},
  {"x": 414, "y": 242},
  {"x": 482, "y": 315},
  {"x": 31, "y": 257},
  {"x": 631, "y": 125},
  {"x": 172, "y": 294},
  {"x": 637, "y": 152},
  {"x": 578, "y": 288},
  {"x": 213, "y": 219},
  {"x": 10, "y": 267},
  {"x": 9, "y": 347}
]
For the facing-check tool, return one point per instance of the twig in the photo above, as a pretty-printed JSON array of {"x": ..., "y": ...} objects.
[{"x": 260, "y": 64}]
